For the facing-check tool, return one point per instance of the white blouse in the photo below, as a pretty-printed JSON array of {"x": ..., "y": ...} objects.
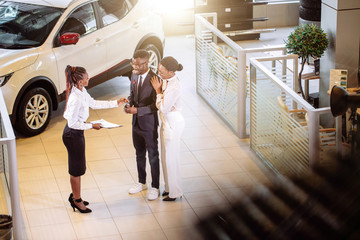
[
  {"x": 170, "y": 98},
  {"x": 77, "y": 110}
]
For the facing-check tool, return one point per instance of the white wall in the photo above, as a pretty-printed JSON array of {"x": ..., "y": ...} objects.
[{"x": 341, "y": 23}]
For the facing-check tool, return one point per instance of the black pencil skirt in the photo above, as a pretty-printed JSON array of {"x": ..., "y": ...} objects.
[{"x": 74, "y": 142}]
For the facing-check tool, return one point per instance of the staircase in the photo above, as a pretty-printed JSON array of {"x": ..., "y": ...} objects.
[{"x": 324, "y": 204}]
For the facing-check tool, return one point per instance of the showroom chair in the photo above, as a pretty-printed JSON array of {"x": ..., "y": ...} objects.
[
  {"x": 291, "y": 134},
  {"x": 293, "y": 112},
  {"x": 327, "y": 135},
  {"x": 226, "y": 69}
]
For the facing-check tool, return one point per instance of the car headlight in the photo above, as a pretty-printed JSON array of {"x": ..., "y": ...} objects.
[{"x": 4, "y": 79}]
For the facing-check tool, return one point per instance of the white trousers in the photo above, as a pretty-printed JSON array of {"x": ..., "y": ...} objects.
[{"x": 171, "y": 129}]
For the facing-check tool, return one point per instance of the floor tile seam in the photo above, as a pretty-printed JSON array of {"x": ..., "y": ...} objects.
[
  {"x": 53, "y": 224},
  {"x": 253, "y": 183},
  {"x": 237, "y": 199},
  {"x": 98, "y": 187},
  {"x": 121, "y": 155},
  {"x": 218, "y": 190},
  {"x": 209, "y": 174},
  {"x": 185, "y": 164},
  {"x": 46, "y": 207},
  {"x": 38, "y": 180},
  {"x": 208, "y": 177},
  {"x": 109, "y": 172},
  {"x": 223, "y": 197},
  {"x": 199, "y": 139},
  {"x": 167, "y": 211},
  {"x": 48, "y": 164},
  {"x": 23, "y": 212},
  {"x": 165, "y": 228},
  {"x": 238, "y": 158},
  {"x": 93, "y": 220},
  {"x": 29, "y": 229},
  {"x": 212, "y": 161},
  {"x": 202, "y": 148},
  {"x": 33, "y": 155},
  {"x": 113, "y": 159},
  {"x": 217, "y": 185},
  {"x": 256, "y": 181},
  {"x": 152, "y": 213}
]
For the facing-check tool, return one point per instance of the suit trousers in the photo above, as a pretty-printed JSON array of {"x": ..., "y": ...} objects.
[{"x": 147, "y": 141}]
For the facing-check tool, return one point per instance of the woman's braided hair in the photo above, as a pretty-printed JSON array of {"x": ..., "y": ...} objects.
[{"x": 73, "y": 76}]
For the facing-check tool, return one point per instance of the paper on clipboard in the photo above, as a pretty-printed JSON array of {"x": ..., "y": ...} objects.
[{"x": 106, "y": 124}]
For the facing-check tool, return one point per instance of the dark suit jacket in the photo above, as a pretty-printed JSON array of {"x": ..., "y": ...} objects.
[{"x": 146, "y": 118}]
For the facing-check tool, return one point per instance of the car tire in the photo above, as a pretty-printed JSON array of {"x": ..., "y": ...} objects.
[
  {"x": 315, "y": 4},
  {"x": 34, "y": 112},
  {"x": 155, "y": 56},
  {"x": 310, "y": 14}
]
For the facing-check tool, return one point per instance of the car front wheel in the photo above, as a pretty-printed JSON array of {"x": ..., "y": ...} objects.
[
  {"x": 154, "y": 56},
  {"x": 34, "y": 112}
]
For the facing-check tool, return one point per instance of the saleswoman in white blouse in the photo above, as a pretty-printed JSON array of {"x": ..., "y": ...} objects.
[
  {"x": 76, "y": 113},
  {"x": 168, "y": 101}
]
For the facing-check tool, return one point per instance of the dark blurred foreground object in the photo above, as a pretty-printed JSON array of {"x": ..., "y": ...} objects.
[
  {"x": 340, "y": 102},
  {"x": 324, "y": 204},
  {"x": 5, "y": 227}
]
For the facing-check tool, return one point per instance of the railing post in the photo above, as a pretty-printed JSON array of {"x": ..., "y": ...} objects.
[
  {"x": 338, "y": 121},
  {"x": 273, "y": 66},
  {"x": 14, "y": 191},
  {"x": 314, "y": 139},
  {"x": 295, "y": 79},
  {"x": 252, "y": 102},
  {"x": 241, "y": 90},
  {"x": 284, "y": 65},
  {"x": 296, "y": 75}
]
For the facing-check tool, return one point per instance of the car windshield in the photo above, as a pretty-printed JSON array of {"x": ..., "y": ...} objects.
[{"x": 25, "y": 25}]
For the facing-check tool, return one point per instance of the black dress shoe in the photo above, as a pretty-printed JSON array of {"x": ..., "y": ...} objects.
[
  {"x": 165, "y": 194},
  {"x": 169, "y": 199}
]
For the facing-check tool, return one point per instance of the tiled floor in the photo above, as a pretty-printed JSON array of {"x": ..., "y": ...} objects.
[{"x": 217, "y": 167}]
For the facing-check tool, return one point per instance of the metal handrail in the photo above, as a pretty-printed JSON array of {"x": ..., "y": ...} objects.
[
  {"x": 10, "y": 141},
  {"x": 241, "y": 55},
  {"x": 314, "y": 114}
]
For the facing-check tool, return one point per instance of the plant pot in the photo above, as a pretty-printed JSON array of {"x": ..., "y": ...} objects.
[{"x": 5, "y": 227}]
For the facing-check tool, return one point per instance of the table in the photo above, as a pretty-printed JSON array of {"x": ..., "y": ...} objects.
[{"x": 307, "y": 77}]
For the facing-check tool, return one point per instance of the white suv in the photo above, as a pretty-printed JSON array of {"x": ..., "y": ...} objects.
[{"x": 39, "y": 38}]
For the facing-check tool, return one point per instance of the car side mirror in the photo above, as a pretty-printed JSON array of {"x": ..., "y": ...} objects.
[{"x": 69, "y": 38}]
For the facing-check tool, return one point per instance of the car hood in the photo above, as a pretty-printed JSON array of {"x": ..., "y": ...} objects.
[{"x": 13, "y": 60}]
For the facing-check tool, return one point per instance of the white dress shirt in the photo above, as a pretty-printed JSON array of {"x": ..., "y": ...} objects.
[
  {"x": 77, "y": 110},
  {"x": 169, "y": 100},
  {"x": 143, "y": 77}
]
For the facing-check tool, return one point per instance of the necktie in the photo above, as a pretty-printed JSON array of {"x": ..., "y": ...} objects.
[{"x": 139, "y": 83}]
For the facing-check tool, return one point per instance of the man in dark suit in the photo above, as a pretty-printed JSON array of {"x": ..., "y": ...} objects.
[{"x": 144, "y": 123}]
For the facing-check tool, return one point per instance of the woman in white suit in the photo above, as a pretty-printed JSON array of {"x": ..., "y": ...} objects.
[{"x": 168, "y": 101}]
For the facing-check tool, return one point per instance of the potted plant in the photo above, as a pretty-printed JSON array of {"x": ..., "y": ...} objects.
[{"x": 307, "y": 41}]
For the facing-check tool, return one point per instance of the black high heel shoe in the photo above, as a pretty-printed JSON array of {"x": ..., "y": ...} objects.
[
  {"x": 165, "y": 194},
  {"x": 73, "y": 205},
  {"x": 71, "y": 197}
]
